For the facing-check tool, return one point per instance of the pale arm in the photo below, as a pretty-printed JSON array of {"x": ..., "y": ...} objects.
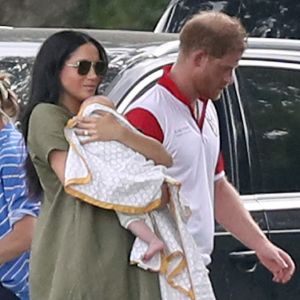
[
  {"x": 18, "y": 240},
  {"x": 231, "y": 213},
  {"x": 107, "y": 128}
]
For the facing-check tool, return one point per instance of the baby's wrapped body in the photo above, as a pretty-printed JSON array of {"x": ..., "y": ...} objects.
[
  {"x": 126, "y": 180},
  {"x": 111, "y": 175}
]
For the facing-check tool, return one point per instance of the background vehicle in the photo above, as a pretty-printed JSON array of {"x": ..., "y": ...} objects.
[
  {"x": 261, "y": 18},
  {"x": 259, "y": 119}
]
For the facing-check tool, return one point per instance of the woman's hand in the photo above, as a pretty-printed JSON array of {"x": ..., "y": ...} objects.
[{"x": 103, "y": 127}]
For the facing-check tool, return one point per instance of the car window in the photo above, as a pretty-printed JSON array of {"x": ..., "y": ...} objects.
[
  {"x": 138, "y": 89},
  {"x": 274, "y": 18},
  {"x": 271, "y": 99}
]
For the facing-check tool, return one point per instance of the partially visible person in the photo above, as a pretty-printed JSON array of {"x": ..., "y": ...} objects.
[
  {"x": 17, "y": 211},
  {"x": 79, "y": 251},
  {"x": 178, "y": 111}
]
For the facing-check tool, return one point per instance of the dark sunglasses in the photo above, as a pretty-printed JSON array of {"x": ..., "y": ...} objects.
[{"x": 84, "y": 67}]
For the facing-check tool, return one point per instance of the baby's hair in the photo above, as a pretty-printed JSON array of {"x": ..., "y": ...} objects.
[{"x": 9, "y": 107}]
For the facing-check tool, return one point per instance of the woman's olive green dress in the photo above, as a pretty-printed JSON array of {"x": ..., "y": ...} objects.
[{"x": 79, "y": 252}]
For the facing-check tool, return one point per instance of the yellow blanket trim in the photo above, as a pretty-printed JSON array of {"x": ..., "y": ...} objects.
[
  {"x": 81, "y": 180},
  {"x": 133, "y": 262},
  {"x": 163, "y": 270},
  {"x": 73, "y": 122},
  {"x": 179, "y": 269},
  {"x": 117, "y": 207}
]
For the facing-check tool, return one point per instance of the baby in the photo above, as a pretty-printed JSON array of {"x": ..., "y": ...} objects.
[{"x": 132, "y": 221}]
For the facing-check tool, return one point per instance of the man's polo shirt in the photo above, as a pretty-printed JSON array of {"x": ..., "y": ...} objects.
[{"x": 164, "y": 113}]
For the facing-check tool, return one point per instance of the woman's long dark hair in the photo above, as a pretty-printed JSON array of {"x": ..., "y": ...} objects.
[{"x": 45, "y": 81}]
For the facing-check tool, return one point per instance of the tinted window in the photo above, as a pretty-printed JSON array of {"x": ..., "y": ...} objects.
[
  {"x": 262, "y": 18},
  {"x": 271, "y": 99}
]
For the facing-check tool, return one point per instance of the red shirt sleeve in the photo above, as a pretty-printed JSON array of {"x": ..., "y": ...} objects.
[
  {"x": 145, "y": 121},
  {"x": 220, "y": 164}
]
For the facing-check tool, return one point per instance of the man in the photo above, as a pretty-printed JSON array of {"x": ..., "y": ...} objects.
[{"x": 179, "y": 113}]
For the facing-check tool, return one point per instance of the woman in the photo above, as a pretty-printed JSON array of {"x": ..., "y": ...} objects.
[
  {"x": 79, "y": 251},
  {"x": 17, "y": 212}
]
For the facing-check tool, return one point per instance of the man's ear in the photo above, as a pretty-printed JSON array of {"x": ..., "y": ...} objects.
[{"x": 198, "y": 57}]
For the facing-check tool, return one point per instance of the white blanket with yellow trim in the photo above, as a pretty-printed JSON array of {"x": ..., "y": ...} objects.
[{"x": 112, "y": 176}]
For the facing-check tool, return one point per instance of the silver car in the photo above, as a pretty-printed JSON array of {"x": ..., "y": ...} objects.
[{"x": 260, "y": 126}]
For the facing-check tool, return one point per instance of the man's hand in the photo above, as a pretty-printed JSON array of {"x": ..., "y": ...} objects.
[
  {"x": 277, "y": 261},
  {"x": 242, "y": 226}
]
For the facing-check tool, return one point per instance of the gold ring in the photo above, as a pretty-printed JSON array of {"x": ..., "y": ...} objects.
[{"x": 86, "y": 132}]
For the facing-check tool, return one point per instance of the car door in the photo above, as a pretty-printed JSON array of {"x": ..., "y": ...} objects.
[{"x": 269, "y": 92}]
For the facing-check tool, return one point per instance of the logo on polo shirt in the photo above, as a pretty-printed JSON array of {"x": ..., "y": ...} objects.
[{"x": 182, "y": 130}]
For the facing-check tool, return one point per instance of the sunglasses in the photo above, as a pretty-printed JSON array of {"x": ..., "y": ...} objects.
[{"x": 84, "y": 67}]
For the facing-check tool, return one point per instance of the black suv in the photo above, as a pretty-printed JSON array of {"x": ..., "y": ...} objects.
[
  {"x": 261, "y": 18},
  {"x": 260, "y": 126}
]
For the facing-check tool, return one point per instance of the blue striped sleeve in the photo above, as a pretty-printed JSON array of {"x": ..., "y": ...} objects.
[{"x": 13, "y": 156}]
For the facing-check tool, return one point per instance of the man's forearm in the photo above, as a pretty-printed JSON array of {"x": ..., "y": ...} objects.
[{"x": 231, "y": 213}]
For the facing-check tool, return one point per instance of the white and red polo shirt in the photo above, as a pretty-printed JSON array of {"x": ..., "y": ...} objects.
[{"x": 164, "y": 113}]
